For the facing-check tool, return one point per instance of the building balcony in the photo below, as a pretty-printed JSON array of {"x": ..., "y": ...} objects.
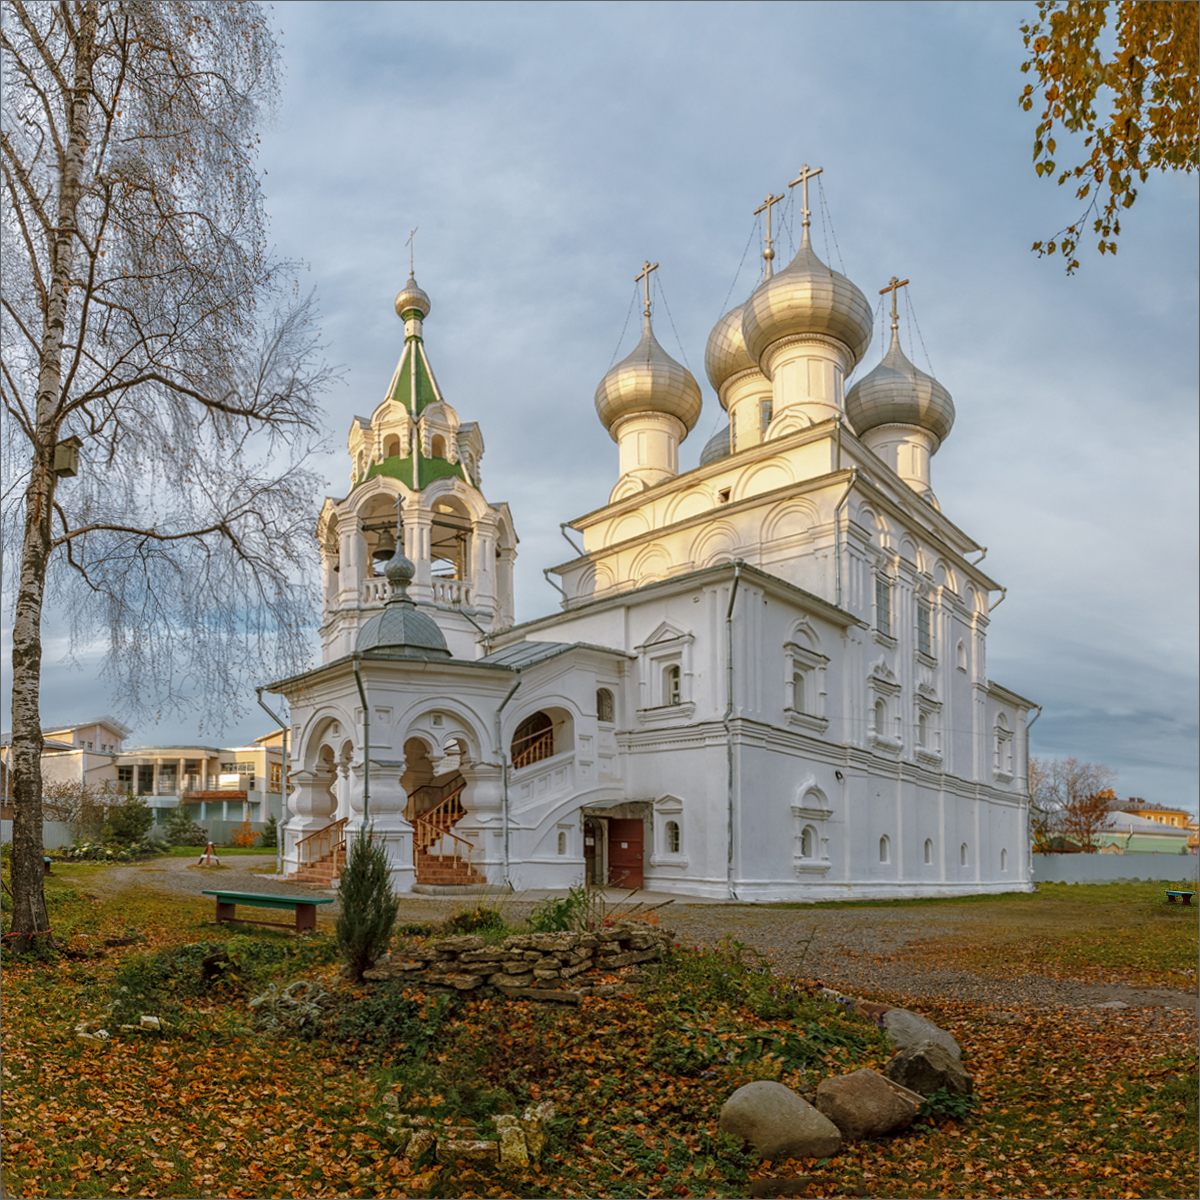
[{"x": 452, "y": 593}]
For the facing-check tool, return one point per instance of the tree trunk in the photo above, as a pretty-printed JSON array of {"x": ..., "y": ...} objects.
[{"x": 30, "y": 919}]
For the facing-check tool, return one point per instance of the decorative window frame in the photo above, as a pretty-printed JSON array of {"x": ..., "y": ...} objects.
[
  {"x": 1002, "y": 751},
  {"x": 654, "y": 657},
  {"x": 668, "y": 808},
  {"x": 884, "y": 637},
  {"x": 882, "y": 684},
  {"x": 927, "y": 705},
  {"x": 811, "y": 810},
  {"x": 925, "y": 600},
  {"x": 800, "y": 660}
]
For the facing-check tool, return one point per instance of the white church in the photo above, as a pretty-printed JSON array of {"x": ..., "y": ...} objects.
[{"x": 767, "y": 676}]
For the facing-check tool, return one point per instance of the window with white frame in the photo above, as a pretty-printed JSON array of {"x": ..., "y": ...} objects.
[
  {"x": 562, "y": 841},
  {"x": 672, "y": 691},
  {"x": 672, "y": 837},
  {"x": 605, "y": 706},
  {"x": 962, "y": 656},
  {"x": 808, "y": 842},
  {"x": 881, "y": 717},
  {"x": 804, "y": 682},
  {"x": 883, "y": 605},
  {"x": 924, "y": 622},
  {"x": 665, "y": 675},
  {"x": 668, "y": 833}
]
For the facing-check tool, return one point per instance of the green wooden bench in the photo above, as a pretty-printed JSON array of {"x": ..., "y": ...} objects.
[
  {"x": 1186, "y": 897},
  {"x": 305, "y": 908}
]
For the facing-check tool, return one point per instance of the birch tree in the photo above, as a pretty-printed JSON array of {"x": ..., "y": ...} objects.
[{"x": 144, "y": 319}]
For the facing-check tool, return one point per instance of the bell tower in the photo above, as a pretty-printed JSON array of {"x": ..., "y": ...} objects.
[{"x": 414, "y": 448}]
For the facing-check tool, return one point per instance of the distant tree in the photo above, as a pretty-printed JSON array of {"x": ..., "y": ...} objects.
[
  {"x": 1084, "y": 816},
  {"x": 1070, "y": 799},
  {"x": 143, "y": 323},
  {"x": 1151, "y": 83}
]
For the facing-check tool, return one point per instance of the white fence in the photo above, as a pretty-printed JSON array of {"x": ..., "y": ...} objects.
[{"x": 1108, "y": 868}]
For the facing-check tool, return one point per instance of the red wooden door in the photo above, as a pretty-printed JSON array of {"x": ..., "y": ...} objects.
[{"x": 624, "y": 853}]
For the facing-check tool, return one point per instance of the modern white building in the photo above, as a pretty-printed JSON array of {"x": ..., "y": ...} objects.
[{"x": 767, "y": 677}]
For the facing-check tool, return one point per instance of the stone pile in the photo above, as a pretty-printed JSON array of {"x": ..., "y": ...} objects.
[
  {"x": 513, "y": 1142},
  {"x": 532, "y": 966}
]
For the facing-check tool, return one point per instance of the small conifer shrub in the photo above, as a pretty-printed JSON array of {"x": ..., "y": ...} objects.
[{"x": 369, "y": 907}]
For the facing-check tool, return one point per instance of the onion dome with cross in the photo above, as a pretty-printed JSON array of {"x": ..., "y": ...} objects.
[
  {"x": 903, "y": 414},
  {"x": 806, "y": 298},
  {"x": 648, "y": 402}
]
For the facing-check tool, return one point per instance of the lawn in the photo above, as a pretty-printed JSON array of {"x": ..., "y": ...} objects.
[{"x": 1083, "y": 1102}]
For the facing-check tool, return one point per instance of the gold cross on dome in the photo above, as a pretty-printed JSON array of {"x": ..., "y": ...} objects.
[
  {"x": 644, "y": 274},
  {"x": 769, "y": 248},
  {"x": 894, "y": 286},
  {"x": 806, "y": 173},
  {"x": 410, "y": 249}
]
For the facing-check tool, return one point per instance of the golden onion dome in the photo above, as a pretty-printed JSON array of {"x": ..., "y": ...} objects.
[
  {"x": 807, "y": 297},
  {"x": 413, "y": 296},
  {"x": 726, "y": 353},
  {"x": 897, "y": 393},
  {"x": 716, "y": 447},
  {"x": 648, "y": 381}
]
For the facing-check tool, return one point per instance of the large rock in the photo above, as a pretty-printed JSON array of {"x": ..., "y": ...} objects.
[
  {"x": 928, "y": 1066},
  {"x": 863, "y": 1105},
  {"x": 910, "y": 1029},
  {"x": 779, "y": 1123}
]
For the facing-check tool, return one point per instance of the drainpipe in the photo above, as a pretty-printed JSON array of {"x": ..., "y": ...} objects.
[
  {"x": 487, "y": 637},
  {"x": 728, "y": 723},
  {"x": 562, "y": 528},
  {"x": 283, "y": 812},
  {"x": 837, "y": 537},
  {"x": 1003, "y": 593},
  {"x": 504, "y": 773},
  {"x": 366, "y": 742},
  {"x": 556, "y": 586},
  {"x": 1028, "y": 778},
  {"x": 980, "y": 559}
]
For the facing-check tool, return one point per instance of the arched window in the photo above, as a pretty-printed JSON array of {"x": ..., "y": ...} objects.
[
  {"x": 962, "y": 657},
  {"x": 765, "y": 409},
  {"x": 928, "y": 851},
  {"x": 533, "y": 740},
  {"x": 673, "y": 841},
  {"x": 391, "y": 446},
  {"x": 1004, "y": 860},
  {"x": 922, "y": 729},
  {"x": 962, "y": 855},
  {"x": 798, "y": 692},
  {"x": 808, "y": 842},
  {"x": 562, "y": 841},
  {"x": 880, "y": 718},
  {"x": 672, "y": 677},
  {"x": 605, "y": 708},
  {"x": 437, "y": 447},
  {"x": 884, "y": 849}
]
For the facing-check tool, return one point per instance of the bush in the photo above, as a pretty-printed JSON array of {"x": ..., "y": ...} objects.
[
  {"x": 270, "y": 833},
  {"x": 128, "y": 821},
  {"x": 369, "y": 907},
  {"x": 243, "y": 837},
  {"x": 475, "y": 920},
  {"x": 557, "y": 913}
]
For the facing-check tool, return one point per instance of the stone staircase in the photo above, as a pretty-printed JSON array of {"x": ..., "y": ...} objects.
[{"x": 446, "y": 870}]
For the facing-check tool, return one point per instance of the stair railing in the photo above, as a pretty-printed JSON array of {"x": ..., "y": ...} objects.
[
  {"x": 438, "y": 822},
  {"x": 433, "y": 795},
  {"x": 321, "y": 843}
]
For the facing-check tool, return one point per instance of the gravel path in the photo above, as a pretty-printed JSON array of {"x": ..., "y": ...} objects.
[{"x": 859, "y": 950}]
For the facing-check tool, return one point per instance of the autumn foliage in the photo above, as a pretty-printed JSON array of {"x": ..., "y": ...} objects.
[
  {"x": 243, "y": 836},
  {"x": 1151, "y": 83}
]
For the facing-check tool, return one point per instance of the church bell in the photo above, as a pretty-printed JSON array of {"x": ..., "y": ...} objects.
[{"x": 385, "y": 547}]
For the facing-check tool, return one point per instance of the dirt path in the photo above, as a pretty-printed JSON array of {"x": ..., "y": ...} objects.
[{"x": 856, "y": 950}]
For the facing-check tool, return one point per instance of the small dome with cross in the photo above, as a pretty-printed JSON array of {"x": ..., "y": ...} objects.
[
  {"x": 412, "y": 297},
  {"x": 726, "y": 354},
  {"x": 897, "y": 393}
]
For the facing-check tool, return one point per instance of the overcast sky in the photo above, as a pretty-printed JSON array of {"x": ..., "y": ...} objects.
[{"x": 544, "y": 150}]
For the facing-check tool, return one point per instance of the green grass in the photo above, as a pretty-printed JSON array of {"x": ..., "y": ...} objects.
[{"x": 219, "y": 851}]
